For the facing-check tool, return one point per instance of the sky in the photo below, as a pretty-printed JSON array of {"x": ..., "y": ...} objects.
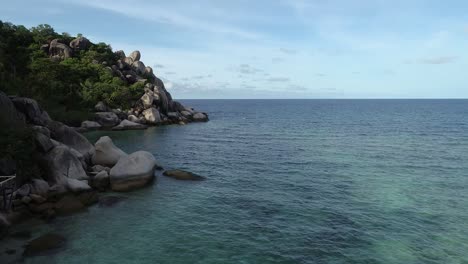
[{"x": 277, "y": 49}]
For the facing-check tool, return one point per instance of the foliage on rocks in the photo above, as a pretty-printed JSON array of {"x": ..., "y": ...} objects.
[{"x": 68, "y": 88}]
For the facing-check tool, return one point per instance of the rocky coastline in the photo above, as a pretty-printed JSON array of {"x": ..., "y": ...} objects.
[{"x": 71, "y": 171}]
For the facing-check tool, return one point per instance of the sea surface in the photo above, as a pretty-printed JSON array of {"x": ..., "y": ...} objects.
[{"x": 290, "y": 181}]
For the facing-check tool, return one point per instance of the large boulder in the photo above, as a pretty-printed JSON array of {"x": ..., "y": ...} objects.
[
  {"x": 135, "y": 55},
  {"x": 133, "y": 171},
  {"x": 138, "y": 67},
  {"x": 152, "y": 116},
  {"x": 71, "y": 138},
  {"x": 60, "y": 163},
  {"x": 59, "y": 50},
  {"x": 30, "y": 108},
  {"x": 200, "y": 117},
  {"x": 107, "y": 154},
  {"x": 129, "y": 125},
  {"x": 80, "y": 43},
  {"x": 107, "y": 119}
]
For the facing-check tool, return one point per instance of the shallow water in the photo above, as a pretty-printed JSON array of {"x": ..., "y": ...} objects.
[{"x": 291, "y": 181}]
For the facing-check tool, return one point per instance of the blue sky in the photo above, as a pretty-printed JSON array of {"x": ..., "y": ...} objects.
[{"x": 278, "y": 48}]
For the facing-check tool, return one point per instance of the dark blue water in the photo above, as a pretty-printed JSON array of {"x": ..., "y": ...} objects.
[{"x": 292, "y": 181}]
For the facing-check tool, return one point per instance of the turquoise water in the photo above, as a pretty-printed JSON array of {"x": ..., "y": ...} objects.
[{"x": 291, "y": 181}]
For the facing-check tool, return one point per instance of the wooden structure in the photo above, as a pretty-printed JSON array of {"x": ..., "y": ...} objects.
[{"x": 7, "y": 187}]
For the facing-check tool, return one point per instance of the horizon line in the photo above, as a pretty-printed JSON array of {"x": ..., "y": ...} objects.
[{"x": 322, "y": 99}]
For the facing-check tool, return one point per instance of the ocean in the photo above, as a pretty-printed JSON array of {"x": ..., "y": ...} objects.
[{"x": 290, "y": 181}]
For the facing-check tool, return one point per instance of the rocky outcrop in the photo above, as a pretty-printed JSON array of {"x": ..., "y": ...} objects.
[
  {"x": 135, "y": 55},
  {"x": 43, "y": 143},
  {"x": 138, "y": 67},
  {"x": 59, "y": 50},
  {"x": 120, "y": 54},
  {"x": 71, "y": 138},
  {"x": 31, "y": 110},
  {"x": 107, "y": 154},
  {"x": 133, "y": 171},
  {"x": 152, "y": 116},
  {"x": 183, "y": 175},
  {"x": 80, "y": 43},
  {"x": 130, "y": 70}
]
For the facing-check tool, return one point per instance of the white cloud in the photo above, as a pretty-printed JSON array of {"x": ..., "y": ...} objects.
[
  {"x": 439, "y": 60},
  {"x": 166, "y": 15}
]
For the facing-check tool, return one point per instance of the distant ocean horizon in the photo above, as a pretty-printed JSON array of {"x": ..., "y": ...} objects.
[{"x": 291, "y": 181}]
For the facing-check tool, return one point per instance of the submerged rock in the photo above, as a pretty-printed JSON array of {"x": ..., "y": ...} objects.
[
  {"x": 43, "y": 244},
  {"x": 183, "y": 175},
  {"x": 107, "y": 154},
  {"x": 129, "y": 125},
  {"x": 133, "y": 171},
  {"x": 69, "y": 204},
  {"x": 109, "y": 201},
  {"x": 90, "y": 125}
]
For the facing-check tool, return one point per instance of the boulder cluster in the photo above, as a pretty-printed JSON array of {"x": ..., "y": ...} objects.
[
  {"x": 72, "y": 169},
  {"x": 155, "y": 107}
]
